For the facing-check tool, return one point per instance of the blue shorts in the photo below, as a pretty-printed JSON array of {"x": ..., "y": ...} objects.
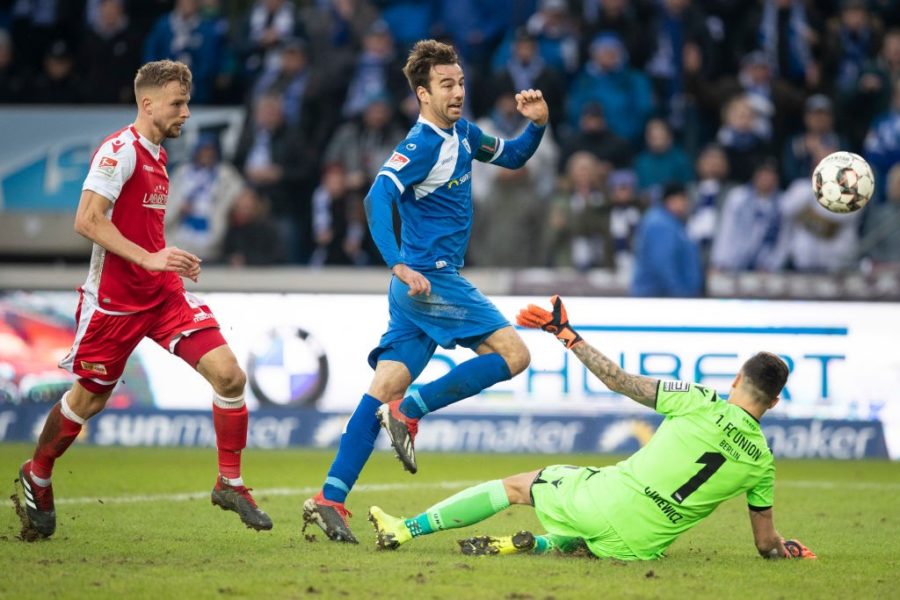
[{"x": 455, "y": 313}]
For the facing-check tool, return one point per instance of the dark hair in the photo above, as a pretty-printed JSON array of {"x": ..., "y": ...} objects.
[
  {"x": 767, "y": 373},
  {"x": 673, "y": 188},
  {"x": 158, "y": 73},
  {"x": 423, "y": 56}
]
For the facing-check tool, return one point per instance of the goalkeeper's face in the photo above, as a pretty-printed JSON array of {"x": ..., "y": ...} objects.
[{"x": 443, "y": 102}]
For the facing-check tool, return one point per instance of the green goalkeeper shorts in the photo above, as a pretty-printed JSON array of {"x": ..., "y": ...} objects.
[{"x": 564, "y": 506}]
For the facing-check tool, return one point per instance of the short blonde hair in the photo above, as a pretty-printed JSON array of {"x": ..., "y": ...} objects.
[{"x": 158, "y": 73}]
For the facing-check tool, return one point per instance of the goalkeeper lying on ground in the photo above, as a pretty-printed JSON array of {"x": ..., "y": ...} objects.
[{"x": 706, "y": 451}]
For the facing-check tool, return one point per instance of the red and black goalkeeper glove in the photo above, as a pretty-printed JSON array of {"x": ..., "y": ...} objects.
[
  {"x": 797, "y": 550},
  {"x": 556, "y": 322}
]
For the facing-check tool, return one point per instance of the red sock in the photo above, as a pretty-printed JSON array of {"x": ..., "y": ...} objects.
[
  {"x": 58, "y": 434},
  {"x": 231, "y": 438}
]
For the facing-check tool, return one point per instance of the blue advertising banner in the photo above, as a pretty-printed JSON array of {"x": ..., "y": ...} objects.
[{"x": 523, "y": 433}]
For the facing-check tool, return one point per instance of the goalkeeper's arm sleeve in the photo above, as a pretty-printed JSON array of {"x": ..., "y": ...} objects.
[{"x": 379, "y": 203}]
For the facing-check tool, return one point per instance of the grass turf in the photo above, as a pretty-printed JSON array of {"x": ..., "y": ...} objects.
[{"x": 137, "y": 523}]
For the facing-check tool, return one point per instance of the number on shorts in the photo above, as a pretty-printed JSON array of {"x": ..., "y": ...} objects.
[{"x": 711, "y": 462}]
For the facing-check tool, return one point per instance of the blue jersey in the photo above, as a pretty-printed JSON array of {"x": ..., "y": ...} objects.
[{"x": 429, "y": 177}]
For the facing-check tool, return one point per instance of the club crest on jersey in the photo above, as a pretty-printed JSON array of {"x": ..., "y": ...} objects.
[
  {"x": 397, "y": 161},
  {"x": 107, "y": 166},
  {"x": 466, "y": 145}
]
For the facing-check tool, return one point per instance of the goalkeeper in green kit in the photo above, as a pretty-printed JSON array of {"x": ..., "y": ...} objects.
[{"x": 705, "y": 452}]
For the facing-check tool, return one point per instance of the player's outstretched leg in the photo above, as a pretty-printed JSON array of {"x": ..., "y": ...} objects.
[
  {"x": 60, "y": 430},
  {"x": 464, "y": 508},
  {"x": 401, "y": 418}
]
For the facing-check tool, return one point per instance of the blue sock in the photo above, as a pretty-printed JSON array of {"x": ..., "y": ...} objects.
[
  {"x": 466, "y": 379},
  {"x": 354, "y": 450}
]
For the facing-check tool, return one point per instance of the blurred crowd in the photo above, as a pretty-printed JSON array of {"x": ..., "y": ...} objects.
[{"x": 682, "y": 138}]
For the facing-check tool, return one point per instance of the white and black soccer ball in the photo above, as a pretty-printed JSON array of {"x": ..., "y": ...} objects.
[{"x": 843, "y": 182}]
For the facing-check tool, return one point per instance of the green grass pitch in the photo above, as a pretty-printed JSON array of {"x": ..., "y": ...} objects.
[{"x": 137, "y": 523}]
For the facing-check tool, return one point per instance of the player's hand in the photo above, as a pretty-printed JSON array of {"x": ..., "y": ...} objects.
[
  {"x": 173, "y": 259},
  {"x": 418, "y": 283},
  {"x": 532, "y": 106},
  {"x": 556, "y": 322},
  {"x": 796, "y": 549}
]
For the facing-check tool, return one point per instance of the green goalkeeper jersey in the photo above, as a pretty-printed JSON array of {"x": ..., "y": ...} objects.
[{"x": 705, "y": 452}]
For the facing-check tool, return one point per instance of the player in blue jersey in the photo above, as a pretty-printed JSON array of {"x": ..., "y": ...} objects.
[{"x": 428, "y": 178}]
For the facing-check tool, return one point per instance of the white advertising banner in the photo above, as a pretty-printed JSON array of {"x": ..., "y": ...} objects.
[{"x": 311, "y": 350}]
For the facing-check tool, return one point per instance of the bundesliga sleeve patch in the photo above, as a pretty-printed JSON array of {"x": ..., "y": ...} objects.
[
  {"x": 676, "y": 386},
  {"x": 397, "y": 161},
  {"x": 107, "y": 166}
]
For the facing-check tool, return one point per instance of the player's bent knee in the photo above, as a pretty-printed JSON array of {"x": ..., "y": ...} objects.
[
  {"x": 229, "y": 380},
  {"x": 518, "y": 487},
  {"x": 518, "y": 360}
]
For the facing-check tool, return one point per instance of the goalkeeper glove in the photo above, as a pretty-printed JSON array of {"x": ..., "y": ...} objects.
[
  {"x": 797, "y": 550},
  {"x": 556, "y": 322}
]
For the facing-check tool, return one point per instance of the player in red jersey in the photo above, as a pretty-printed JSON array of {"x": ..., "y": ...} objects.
[{"x": 134, "y": 290}]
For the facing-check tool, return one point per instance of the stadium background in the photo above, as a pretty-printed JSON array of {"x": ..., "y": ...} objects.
[{"x": 709, "y": 93}]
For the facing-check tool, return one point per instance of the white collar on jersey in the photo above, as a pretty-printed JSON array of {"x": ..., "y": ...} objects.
[
  {"x": 437, "y": 129},
  {"x": 150, "y": 146}
]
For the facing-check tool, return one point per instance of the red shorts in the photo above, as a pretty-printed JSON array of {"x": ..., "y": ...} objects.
[{"x": 103, "y": 341}]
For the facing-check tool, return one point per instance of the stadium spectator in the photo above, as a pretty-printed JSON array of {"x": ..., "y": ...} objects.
[
  {"x": 270, "y": 157},
  {"x": 12, "y": 77},
  {"x": 428, "y": 180},
  {"x": 265, "y": 27},
  {"x": 872, "y": 94},
  {"x": 475, "y": 28},
  {"x": 852, "y": 41},
  {"x": 750, "y": 236},
  {"x": 140, "y": 295},
  {"x": 511, "y": 203},
  {"x": 662, "y": 161},
  {"x": 741, "y": 139},
  {"x": 409, "y": 20},
  {"x": 200, "y": 198},
  {"x": 815, "y": 239},
  {"x": 336, "y": 27},
  {"x": 339, "y": 222},
  {"x": 880, "y": 243},
  {"x": 290, "y": 80},
  {"x": 677, "y": 23},
  {"x": 786, "y": 32},
  {"x": 707, "y": 197},
  {"x": 109, "y": 55},
  {"x": 592, "y": 135},
  {"x": 37, "y": 25},
  {"x": 666, "y": 261},
  {"x": 556, "y": 33},
  {"x": 252, "y": 239},
  {"x": 626, "y": 18},
  {"x": 376, "y": 72},
  {"x": 577, "y": 230},
  {"x": 817, "y": 138},
  {"x": 524, "y": 68},
  {"x": 59, "y": 82},
  {"x": 882, "y": 144},
  {"x": 361, "y": 145},
  {"x": 614, "y": 512},
  {"x": 775, "y": 102},
  {"x": 624, "y": 217},
  {"x": 187, "y": 36},
  {"x": 624, "y": 93}
]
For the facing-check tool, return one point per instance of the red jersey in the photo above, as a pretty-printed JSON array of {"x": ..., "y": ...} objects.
[{"x": 130, "y": 171}]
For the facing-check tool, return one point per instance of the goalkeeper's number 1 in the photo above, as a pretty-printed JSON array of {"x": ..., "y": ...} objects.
[{"x": 712, "y": 462}]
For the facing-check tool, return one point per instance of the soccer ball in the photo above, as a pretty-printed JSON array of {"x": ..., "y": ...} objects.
[{"x": 843, "y": 182}]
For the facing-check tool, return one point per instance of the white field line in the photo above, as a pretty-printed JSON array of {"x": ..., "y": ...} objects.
[{"x": 393, "y": 487}]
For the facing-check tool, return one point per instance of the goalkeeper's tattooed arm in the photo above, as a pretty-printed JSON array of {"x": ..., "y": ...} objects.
[{"x": 638, "y": 388}]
